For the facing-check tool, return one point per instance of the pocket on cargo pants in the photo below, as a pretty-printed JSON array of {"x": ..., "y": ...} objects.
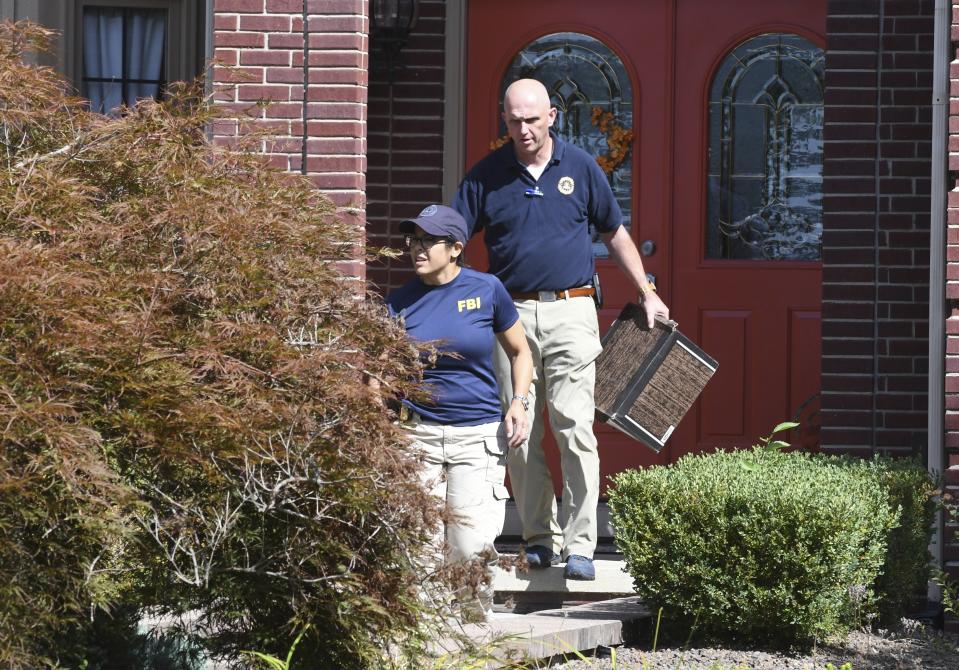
[{"x": 496, "y": 450}]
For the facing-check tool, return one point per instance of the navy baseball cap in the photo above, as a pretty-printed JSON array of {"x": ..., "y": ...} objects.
[{"x": 438, "y": 220}]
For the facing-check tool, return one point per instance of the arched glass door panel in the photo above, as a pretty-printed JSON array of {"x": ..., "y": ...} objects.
[
  {"x": 590, "y": 88},
  {"x": 765, "y": 151}
]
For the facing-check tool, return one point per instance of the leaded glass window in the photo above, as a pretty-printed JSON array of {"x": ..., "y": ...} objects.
[
  {"x": 765, "y": 151},
  {"x": 581, "y": 74}
]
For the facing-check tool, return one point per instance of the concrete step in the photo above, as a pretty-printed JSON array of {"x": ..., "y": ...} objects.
[
  {"x": 553, "y": 632},
  {"x": 611, "y": 578}
]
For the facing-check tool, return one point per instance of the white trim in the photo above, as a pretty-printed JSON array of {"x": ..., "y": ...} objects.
[
  {"x": 935, "y": 458},
  {"x": 699, "y": 358},
  {"x": 208, "y": 46},
  {"x": 454, "y": 109},
  {"x": 660, "y": 441}
]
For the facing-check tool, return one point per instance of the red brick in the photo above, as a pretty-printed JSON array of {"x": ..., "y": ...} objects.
[
  {"x": 224, "y": 93},
  {"x": 337, "y": 94},
  {"x": 238, "y": 75},
  {"x": 291, "y": 75},
  {"x": 288, "y": 145},
  {"x": 264, "y": 58},
  {"x": 286, "y": 41},
  {"x": 226, "y": 56},
  {"x": 224, "y": 127},
  {"x": 901, "y": 7},
  {"x": 229, "y": 142},
  {"x": 281, "y": 6},
  {"x": 845, "y": 437},
  {"x": 279, "y": 127},
  {"x": 338, "y": 24},
  {"x": 332, "y": 110},
  {"x": 284, "y": 110},
  {"x": 243, "y": 109},
  {"x": 345, "y": 198},
  {"x": 338, "y": 128},
  {"x": 328, "y": 75},
  {"x": 355, "y": 59},
  {"x": 225, "y": 22},
  {"x": 338, "y": 181},
  {"x": 259, "y": 92},
  {"x": 267, "y": 23},
  {"x": 850, "y": 24},
  {"x": 279, "y": 162},
  {"x": 243, "y": 6},
  {"x": 234, "y": 39},
  {"x": 336, "y": 146},
  {"x": 355, "y": 41},
  {"x": 337, "y": 6},
  {"x": 316, "y": 164}
]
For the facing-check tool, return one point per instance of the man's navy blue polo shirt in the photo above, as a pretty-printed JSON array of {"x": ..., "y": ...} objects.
[{"x": 537, "y": 231}]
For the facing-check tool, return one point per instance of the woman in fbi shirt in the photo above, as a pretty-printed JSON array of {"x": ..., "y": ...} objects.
[{"x": 462, "y": 431}]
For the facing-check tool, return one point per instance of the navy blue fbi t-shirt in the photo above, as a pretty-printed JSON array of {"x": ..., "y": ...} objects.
[
  {"x": 537, "y": 231},
  {"x": 463, "y": 314}
]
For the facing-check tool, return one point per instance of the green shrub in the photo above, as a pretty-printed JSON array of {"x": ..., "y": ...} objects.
[
  {"x": 187, "y": 423},
  {"x": 759, "y": 544},
  {"x": 906, "y": 571}
]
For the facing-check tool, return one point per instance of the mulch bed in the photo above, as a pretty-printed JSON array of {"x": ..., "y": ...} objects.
[{"x": 912, "y": 647}]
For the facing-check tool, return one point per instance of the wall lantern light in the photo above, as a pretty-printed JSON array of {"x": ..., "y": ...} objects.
[{"x": 391, "y": 22}]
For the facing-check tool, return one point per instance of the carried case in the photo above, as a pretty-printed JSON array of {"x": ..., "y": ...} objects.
[{"x": 647, "y": 379}]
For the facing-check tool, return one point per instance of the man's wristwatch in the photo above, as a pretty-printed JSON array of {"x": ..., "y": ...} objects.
[{"x": 524, "y": 400}]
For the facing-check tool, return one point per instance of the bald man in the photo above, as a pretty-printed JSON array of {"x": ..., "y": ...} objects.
[{"x": 534, "y": 198}]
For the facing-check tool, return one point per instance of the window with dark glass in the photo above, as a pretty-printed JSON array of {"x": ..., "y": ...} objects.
[
  {"x": 764, "y": 176},
  {"x": 124, "y": 55},
  {"x": 582, "y": 75}
]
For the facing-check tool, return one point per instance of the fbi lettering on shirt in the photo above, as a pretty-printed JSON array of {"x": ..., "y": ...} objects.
[{"x": 469, "y": 303}]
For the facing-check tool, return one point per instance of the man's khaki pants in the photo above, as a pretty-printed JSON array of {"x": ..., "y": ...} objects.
[
  {"x": 466, "y": 466},
  {"x": 564, "y": 339}
]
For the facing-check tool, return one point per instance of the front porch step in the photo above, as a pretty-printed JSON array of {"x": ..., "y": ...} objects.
[
  {"x": 533, "y": 590},
  {"x": 556, "y": 632}
]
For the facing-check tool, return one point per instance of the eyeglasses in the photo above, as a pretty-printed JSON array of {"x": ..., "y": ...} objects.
[{"x": 425, "y": 242}]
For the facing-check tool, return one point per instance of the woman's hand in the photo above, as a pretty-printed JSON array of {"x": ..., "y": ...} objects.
[
  {"x": 513, "y": 340},
  {"x": 517, "y": 424}
]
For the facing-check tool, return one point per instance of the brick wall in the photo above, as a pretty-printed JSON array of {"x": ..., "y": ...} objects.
[
  {"x": 405, "y": 138},
  {"x": 952, "y": 300},
  {"x": 878, "y": 115},
  {"x": 265, "y": 44}
]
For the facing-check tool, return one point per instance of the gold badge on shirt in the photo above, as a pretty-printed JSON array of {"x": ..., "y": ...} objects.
[{"x": 566, "y": 185}]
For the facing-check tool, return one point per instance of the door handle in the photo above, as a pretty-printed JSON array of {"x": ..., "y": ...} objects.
[{"x": 647, "y": 248}]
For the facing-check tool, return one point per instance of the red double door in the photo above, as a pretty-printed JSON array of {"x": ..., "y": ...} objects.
[{"x": 759, "y": 318}]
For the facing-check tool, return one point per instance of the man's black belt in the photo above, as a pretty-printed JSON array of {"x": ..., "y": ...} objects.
[{"x": 551, "y": 296}]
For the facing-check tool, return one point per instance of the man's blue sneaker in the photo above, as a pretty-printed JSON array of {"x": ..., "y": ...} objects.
[
  {"x": 579, "y": 568},
  {"x": 539, "y": 556}
]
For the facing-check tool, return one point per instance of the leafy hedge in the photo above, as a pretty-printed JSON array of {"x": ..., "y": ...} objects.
[
  {"x": 768, "y": 545},
  {"x": 910, "y": 489},
  {"x": 186, "y": 421}
]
